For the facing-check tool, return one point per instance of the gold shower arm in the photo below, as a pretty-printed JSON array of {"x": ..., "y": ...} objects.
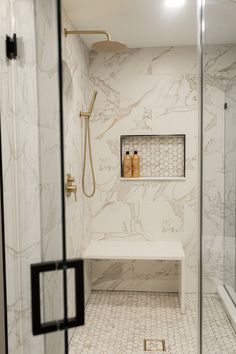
[
  {"x": 107, "y": 34},
  {"x": 88, "y": 114}
]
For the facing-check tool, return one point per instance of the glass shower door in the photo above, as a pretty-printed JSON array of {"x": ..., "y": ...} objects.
[
  {"x": 218, "y": 177},
  {"x": 230, "y": 192},
  {"x": 47, "y": 273},
  {"x": 33, "y": 181}
]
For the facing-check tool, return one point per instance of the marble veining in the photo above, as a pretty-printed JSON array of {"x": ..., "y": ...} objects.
[
  {"x": 229, "y": 187},
  {"x": 19, "y": 126},
  {"x": 143, "y": 91},
  {"x": 219, "y": 74},
  {"x": 76, "y": 95}
]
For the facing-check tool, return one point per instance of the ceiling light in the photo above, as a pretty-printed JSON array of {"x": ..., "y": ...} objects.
[{"x": 174, "y": 3}]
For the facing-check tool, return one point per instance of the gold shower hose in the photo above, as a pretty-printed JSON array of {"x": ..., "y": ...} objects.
[{"x": 87, "y": 137}]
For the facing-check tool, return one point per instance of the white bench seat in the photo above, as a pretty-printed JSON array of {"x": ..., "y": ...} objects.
[{"x": 142, "y": 250}]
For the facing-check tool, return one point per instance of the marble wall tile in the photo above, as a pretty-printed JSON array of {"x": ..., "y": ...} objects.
[
  {"x": 143, "y": 91},
  {"x": 219, "y": 65},
  {"x": 219, "y": 70},
  {"x": 30, "y": 126},
  {"x": 230, "y": 261},
  {"x": 49, "y": 163},
  {"x": 49, "y": 155},
  {"x": 135, "y": 275},
  {"x": 50, "y": 206},
  {"x": 21, "y": 172},
  {"x": 47, "y": 64},
  {"x": 12, "y": 252},
  {"x": 31, "y": 157},
  {"x": 27, "y": 154},
  {"x": 25, "y": 69},
  {"x": 134, "y": 61},
  {"x": 169, "y": 60},
  {"x": 76, "y": 94},
  {"x": 229, "y": 187},
  {"x": 10, "y": 154},
  {"x": 213, "y": 259}
]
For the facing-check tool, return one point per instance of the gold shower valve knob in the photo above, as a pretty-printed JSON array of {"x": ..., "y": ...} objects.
[
  {"x": 70, "y": 187},
  {"x": 70, "y": 179}
]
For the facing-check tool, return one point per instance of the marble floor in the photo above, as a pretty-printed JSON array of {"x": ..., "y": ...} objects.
[
  {"x": 218, "y": 334},
  {"x": 118, "y": 323}
]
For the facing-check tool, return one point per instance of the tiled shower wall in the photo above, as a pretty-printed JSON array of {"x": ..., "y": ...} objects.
[
  {"x": 46, "y": 38},
  {"x": 76, "y": 94},
  {"x": 144, "y": 91},
  {"x": 30, "y": 138},
  {"x": 219, "y": 74},
  {"x": 153, "y": 91},
  {"x": 18, "y": 100},
  {"x": 230, "y": 185}
]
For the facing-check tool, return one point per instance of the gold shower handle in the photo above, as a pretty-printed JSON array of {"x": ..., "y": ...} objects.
[
  {"x": 70, "y": 187},
  {"x": 70, "y": 179},
  {"x": 88, "y": 114}
]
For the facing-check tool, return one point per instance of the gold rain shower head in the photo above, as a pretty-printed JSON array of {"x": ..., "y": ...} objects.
[{"x": 107, "y": 46}]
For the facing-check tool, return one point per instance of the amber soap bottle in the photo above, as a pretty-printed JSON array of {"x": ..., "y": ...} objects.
[
  {"x": 135, "y": 165},
  {"x": 127, "y": 165}
]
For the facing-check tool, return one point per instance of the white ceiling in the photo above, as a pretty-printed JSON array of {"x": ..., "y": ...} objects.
[
  {"x": 220, "y": 21},
  {"x": 149, "y": 23}
]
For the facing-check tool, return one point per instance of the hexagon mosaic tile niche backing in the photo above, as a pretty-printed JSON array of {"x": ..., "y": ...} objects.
[{"x": 160, "y": 155}]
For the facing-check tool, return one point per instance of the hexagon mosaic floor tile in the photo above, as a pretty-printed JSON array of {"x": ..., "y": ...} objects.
[
  {"x": 118, "y": 323},
  {"x": 218, "y": 335}
]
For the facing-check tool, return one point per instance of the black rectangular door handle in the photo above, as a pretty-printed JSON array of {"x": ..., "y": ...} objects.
[{"x": 41, "y": 328}]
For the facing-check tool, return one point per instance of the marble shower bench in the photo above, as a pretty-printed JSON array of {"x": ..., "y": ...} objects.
[{"x": 142, "y": 250}]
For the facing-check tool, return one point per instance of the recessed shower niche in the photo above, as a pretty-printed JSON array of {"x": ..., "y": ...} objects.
[{"x": 162, "y": 157}]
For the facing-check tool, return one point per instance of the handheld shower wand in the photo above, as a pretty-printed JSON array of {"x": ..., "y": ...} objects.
[{"x": 88, "y": 138}]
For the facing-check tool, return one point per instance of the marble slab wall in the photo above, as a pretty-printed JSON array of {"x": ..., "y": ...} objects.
[
  {"x": 144, "y": 91},
  {"x": 76, "y": 94},
  {"x": 230, "y": 187},
  {"x": 219, "y": 70},
  {"x": 46, "y": 38},
  {"x": 31, "y": 164},
  {"x": 30, "y": 138},
  {"x": 19, "y": 134}
]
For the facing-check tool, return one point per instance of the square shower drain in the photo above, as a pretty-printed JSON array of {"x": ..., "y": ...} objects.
[{"x": 154, "y": 345}]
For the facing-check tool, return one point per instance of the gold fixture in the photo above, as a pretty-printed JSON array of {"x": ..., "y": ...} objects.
[
  {"x": 107, "y": 46},
  {"x": 154, "y": 345},
  {"x": 88, "y": 138},
  {"x": 70, "y": 187},
  {"x": 88, "y": 114},
  {"x": 66, "y": 32}
]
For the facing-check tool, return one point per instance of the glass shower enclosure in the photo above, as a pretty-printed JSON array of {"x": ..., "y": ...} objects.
[
  {"x": 33, "y": 175},
  {"x": 230, "y": 191},
  {"x": 218, "y": 177}
]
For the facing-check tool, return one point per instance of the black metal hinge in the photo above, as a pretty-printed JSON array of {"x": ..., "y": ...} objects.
[
  {"x": 225, "y": 105},
  {"x": 11, "y": 47}
]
